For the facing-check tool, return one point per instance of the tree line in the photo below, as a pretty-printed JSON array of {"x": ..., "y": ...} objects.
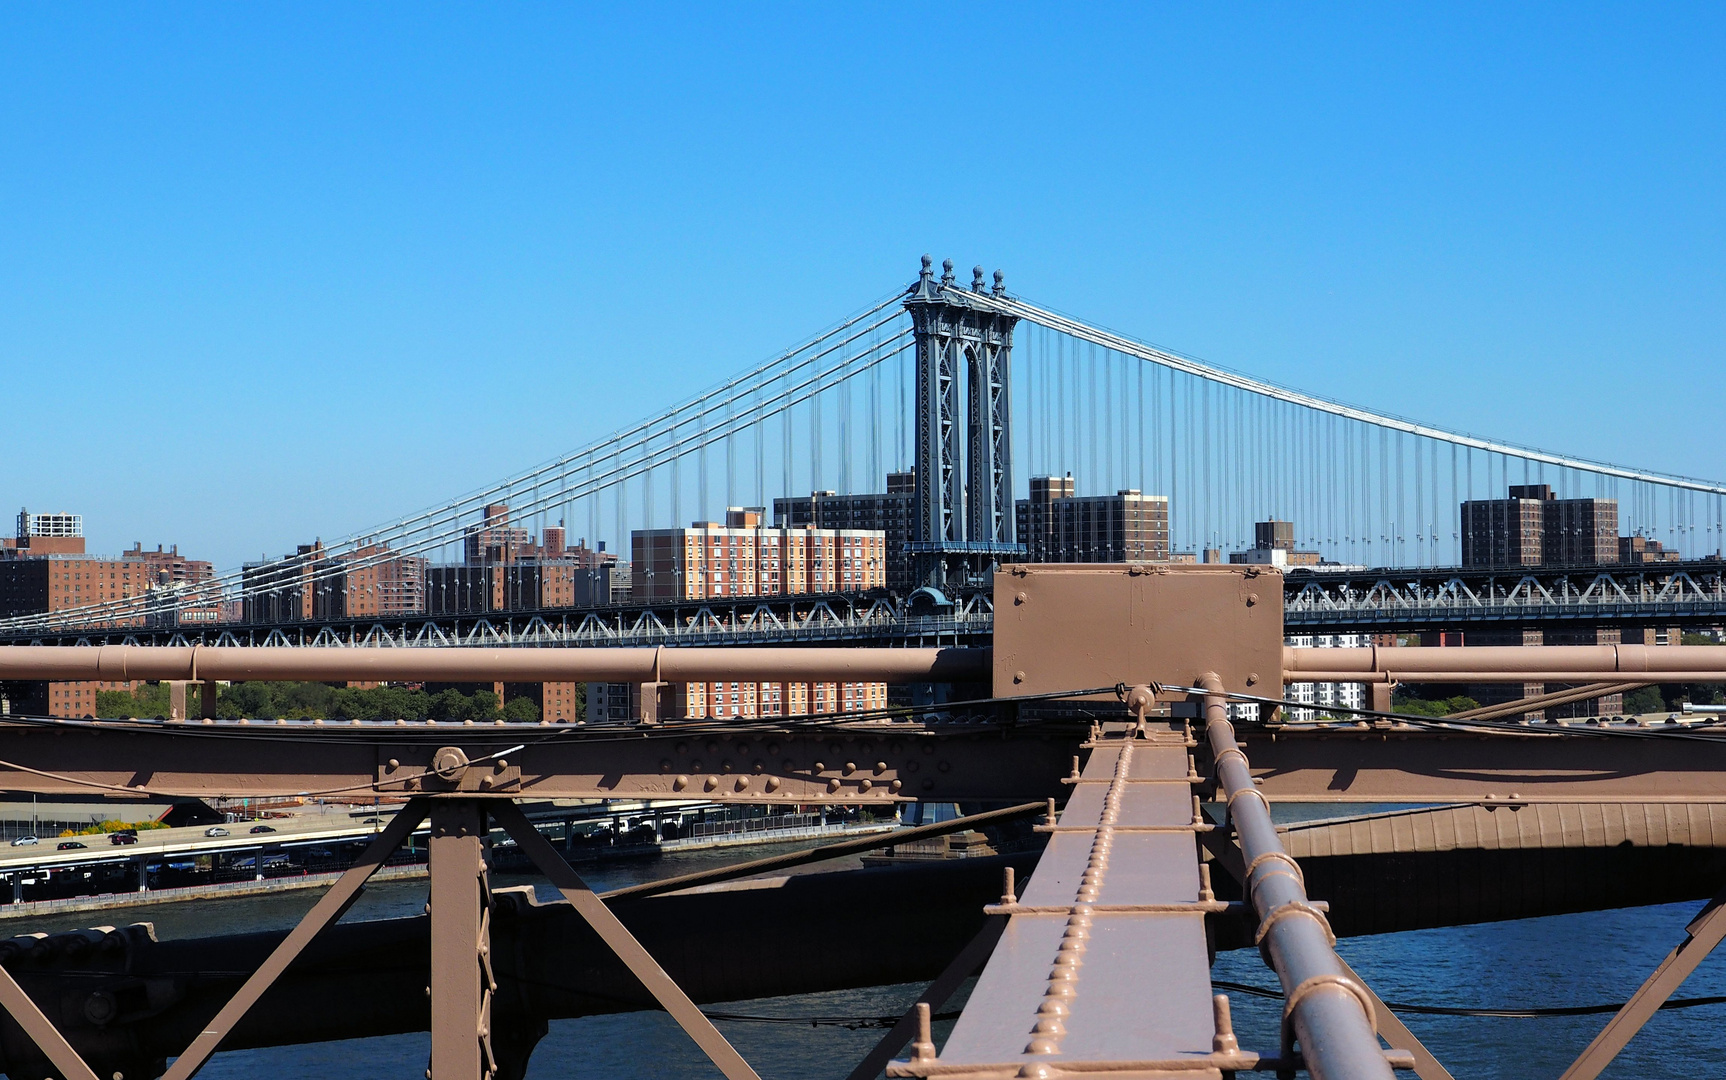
[{"x": 322, "y": 701}]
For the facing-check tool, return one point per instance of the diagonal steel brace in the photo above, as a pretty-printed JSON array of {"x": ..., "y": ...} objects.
[
  {"x": 970, "y": 958},
  {"x": 332, "y": 907},
  {"x": 42, "y": 1030},
  {"x": 1704, "y": 932},
  {"x": 639, "y": 961}
]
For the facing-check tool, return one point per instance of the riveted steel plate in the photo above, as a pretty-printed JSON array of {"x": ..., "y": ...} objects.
[{"x": 1071, "y": 627}]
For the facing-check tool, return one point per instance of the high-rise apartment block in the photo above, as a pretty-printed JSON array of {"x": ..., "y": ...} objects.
[
  {"x": 1533, "y": 527},
  {"x": 890, "y": 513},
  {"x": 1315, "y": 698},
  {"x": 505, "y": 568},
  {"x": 1640, "y": 549},
  {"x": 47, "y": 534},
  {"x": 1272, "y": 535},
  {"x": 1055, "y": 525},
  {"x": 1274, "y": 545},
  {"x": 744, "y": 557},
  {"x": 312, "y": 583},
  {"x": 45, "y": 568}
]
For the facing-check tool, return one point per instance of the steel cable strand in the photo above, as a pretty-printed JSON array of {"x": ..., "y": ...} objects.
[{"x": 619, "y": 473}]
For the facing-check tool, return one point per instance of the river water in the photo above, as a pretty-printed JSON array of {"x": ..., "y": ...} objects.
[{"x": 1563, "y": 960}]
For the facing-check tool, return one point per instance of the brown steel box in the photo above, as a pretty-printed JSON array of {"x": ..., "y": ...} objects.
[{"x": 1075, "y": 626}]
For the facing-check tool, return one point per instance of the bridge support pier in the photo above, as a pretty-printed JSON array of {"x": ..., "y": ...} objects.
[{"x": 461, "y": 977}]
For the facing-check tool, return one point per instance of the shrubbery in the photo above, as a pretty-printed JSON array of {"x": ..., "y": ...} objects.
[
  {"x": 101, "y": 828},
  {"x": 1422, "y": 707},
  {"x": 315, "y": 701}
]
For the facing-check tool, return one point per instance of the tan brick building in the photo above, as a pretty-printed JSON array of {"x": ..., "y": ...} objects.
[{"x": 743, "y": 557}]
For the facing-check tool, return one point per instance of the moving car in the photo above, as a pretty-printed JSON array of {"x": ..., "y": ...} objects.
[
  {"x": 69, "y": 845},
  {"x": 120, "y": 838},
  {"x": 261, "y": 829},
  {"x": 215, "y": 830},
  {"x": 25, "y": 841}
]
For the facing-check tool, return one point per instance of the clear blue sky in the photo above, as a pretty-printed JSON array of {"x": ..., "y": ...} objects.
[{"x": 275, "y": 271}]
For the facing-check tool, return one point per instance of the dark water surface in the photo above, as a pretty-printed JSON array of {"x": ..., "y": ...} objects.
[{"x": 1562, "y": 960}]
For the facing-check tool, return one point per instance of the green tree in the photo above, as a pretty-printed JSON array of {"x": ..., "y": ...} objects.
[
  {"x": 1649, "y": 699},
  {"x": 1422, "y": 707}
]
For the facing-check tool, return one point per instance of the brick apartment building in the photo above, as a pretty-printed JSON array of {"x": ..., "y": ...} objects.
[
  {"x": 1274, "y": 545},
  {"x": 314, "y": 584},
  {"x": 1055, "y": 525},
  {"x": 743, "y": 557},
  {"x": 890, "y": 513},
  {"x": 45, "y": 568},
  {"x": 1640, "y": 549},
  {"x": 1533, "y": 527},
  {"x": 506, "y": 568}
]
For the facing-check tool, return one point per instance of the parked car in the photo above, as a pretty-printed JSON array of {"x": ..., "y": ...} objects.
[
  {"x": 261, "y": 829},
  {"x": 120, "y": 838},
  {"x": 25, "y": 841},
  {"x": 70, "y": 845},
  {"x": 215, "y": 830}
]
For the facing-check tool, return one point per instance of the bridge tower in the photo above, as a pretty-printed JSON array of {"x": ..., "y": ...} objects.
[{"x": 964, "y": 503}]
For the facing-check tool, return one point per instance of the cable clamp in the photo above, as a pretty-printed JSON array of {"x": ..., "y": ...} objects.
[
  {"x": 1237, "y": 752},
  {"x": 1283, "y": 857},
  {"x": 1293, "y": 907},
  {"x": 1254, "y": 792},
  {"x": 1318, "y": 982}
]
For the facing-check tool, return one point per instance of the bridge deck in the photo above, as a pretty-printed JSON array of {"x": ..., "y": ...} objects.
[{"x": 1104, "y": 956}]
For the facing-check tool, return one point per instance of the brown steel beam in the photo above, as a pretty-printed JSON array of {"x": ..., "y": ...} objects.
[
  {"x": 1509, "y": 663},
  {"x": 1334, "y": 1025},
  {"x": 71, "y": 663},
  {"x": 41, "y": 1030},
  {"x": 1575, "y": 694},
  {"x": 640, "y": 962},
  {"x": 328, "y": 910},
  {"x": 1394, "y": 1031},
  {"x": 1704, "y": 932},
  {"x": 861, "y": 764},
  {"x": 460, "y": 989},
  {"x": 734, "y": 871},
  {"x": 971, "y": 958},
  {"x": 1392, "y": 763}
]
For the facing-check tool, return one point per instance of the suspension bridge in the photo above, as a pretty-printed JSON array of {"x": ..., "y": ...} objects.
[
  {"x": 1141, "y": 712},
  {"x": 973, "y": 390}
]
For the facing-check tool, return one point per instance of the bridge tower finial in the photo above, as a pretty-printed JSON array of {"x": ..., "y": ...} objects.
[
  {"x": 1000, "y": 284},
  {"x": 977, "y": 278},
  {"x": 946, "y": 271}
]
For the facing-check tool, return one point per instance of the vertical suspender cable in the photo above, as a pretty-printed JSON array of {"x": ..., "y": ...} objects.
[{"x": 1139, "y": 398}]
